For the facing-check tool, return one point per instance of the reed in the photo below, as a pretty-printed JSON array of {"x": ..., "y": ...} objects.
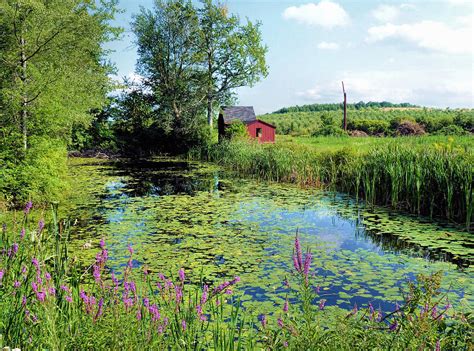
[{"x": 425, "y": 176}]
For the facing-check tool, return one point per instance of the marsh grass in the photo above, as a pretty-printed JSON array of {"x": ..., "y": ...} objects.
[{"x": 424, "y": 176}]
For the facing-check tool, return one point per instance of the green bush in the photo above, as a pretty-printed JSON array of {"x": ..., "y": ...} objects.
[
  {"x": 370, "y": 126},
  {"x": 330, "y": 130},
  {"x": 451, "y": 130},
  {"x": 236, "y": 130}
]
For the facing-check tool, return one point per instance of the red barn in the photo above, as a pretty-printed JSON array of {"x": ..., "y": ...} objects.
[{"x": 263, "y": 131}]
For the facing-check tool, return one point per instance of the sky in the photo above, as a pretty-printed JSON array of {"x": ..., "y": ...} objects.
[{"x": 421, "y": 52}]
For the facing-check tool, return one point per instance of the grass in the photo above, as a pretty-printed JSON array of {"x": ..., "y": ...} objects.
[
  {"x": 48, "y": 302},
  {"x": 423, "y": 175}
]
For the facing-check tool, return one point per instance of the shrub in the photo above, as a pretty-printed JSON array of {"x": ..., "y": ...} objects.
[
  {"x": 236, "y": 129},
  {"x": 451, "y": 130},
  {"x": 369, "y": 126},
  {"x": 330, "y": 130}
]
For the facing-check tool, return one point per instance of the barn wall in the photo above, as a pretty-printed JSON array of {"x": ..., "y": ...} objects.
[{"x": 268, "y": 133}]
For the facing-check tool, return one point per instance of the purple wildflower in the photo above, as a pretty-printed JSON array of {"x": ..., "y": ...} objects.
[
  {"x": 155, "y": 313},
  {"x": 285, "y": 343},
  {"x": 96, "y": 273},
  {"x": 280, "y": 323},
  {"x": 183, "y": 324},
  {"x": 228, "y": 291},
  {"x": 393, "y": 326},
  {"x": 35, "y": 262},
  {"x": 15, "y": 248},
  {"x": 40, "y": 225},
  {"x": 17, "y": 284},
  {"x": 40, "y": 295},
  {"x": 47, "y": 276},
  {"x": 100, "y": 309},
  {"x": 22, "y": 233},
  {"x": 438, "y": 345},
  {"x": 263, "y": 320},
  {"x": 130, "y": 249},
  {"x": 146, "y": 301},
  {"x": 65, "y": 288},
  {"x": 2, "y": 273},
  {"x": 23, "y": 301},
  {"x": 321, "y": 304},
  {"x": 102, "y": 243},
  {"x": 204, "y": 294},
  {"x": 299, "y": 259},
  {"x": 28, "y": 207},
  {"x": 139, "y": 315},
  {"x": 181, "y": 275},
  {"x": 52, "y": 291},
  {"x": 307, "y": 265},
  {"x": 68, "y": 298},
  {"x": 285, "y": 306}
]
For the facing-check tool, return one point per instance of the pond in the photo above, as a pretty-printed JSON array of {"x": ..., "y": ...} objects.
[{"x": 215, "y": 225}]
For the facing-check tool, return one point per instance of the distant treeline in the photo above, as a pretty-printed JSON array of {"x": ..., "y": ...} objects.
[
  {"x": 334, "y": 107},
  {"x": 373, "y": 121}
]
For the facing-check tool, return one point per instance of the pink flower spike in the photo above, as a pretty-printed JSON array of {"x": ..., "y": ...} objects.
[{"x": 181, "y": 275}]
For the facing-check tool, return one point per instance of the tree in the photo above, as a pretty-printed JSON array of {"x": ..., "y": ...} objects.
[
  {"x": 53, "y": 72},
  {"x": 233, "y": 53},
  {"x": 169, "y": 60},
  {"x": 52, "y": 63}
]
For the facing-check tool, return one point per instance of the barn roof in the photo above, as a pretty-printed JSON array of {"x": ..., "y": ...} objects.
[{"x": 246, "y": 114}]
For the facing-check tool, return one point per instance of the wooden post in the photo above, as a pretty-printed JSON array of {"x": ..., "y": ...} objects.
[{"x": 344, "y": 121}]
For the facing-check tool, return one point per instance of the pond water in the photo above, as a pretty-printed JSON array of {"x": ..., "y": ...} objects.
[{"x": 179, "y": 214}]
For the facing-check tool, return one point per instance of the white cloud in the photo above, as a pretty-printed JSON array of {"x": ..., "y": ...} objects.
[
  {"x": 386, "y": 13},
  {"x": 427, "y": 88},
  {"x": 324, "y": 45},
  {"x": 431, "y": 35},
  {"x": 326, "y": 14}
]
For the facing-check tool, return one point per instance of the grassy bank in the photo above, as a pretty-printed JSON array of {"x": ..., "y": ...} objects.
[
  {"x": 427, "y": 175},
  {"x": 47, "y": 301}
]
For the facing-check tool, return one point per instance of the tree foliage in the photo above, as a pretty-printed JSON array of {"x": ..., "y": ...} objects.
[{"x": 53, "y": 71}]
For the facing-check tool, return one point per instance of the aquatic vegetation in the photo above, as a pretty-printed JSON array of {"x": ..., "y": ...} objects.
[
  {"x": 47, "y": 301},
  {"x": 421, "y": 177}
]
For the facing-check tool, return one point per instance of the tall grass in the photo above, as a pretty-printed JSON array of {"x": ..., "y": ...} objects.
[
  {"x": 48, "y": 302},
  {"x": 423, "y": 177}
]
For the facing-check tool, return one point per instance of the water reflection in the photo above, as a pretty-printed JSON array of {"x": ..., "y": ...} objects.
[{"x": 178, "y": 214}]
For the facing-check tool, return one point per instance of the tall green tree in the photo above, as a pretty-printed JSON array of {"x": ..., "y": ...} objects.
[
  {"x": 234, "y": 55},
  {"x": 53, "y": 72},
  {"x": 169, "y": 60},
  {"x": 53, "y": 63}
]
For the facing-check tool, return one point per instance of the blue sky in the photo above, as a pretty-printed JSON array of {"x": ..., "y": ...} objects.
[{"x": 400, "y": 51}]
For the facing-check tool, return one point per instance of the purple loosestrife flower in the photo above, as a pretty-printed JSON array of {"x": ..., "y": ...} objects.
[
  {"x": 22, "y": 233},
  {"x": 40, "y": 295},
  {"x": 285, "y": 306},
  {"x": 183, "y": 325},
  {"x": 23, "y": 301},
  {"x": 28, "y": 207},
  {"x": 15, "y": 248},
  {"x": 285, "y": 343},
  {"x": 438, "y": 345},
  {"x": 17, "y": 284},
  {"x": 228, "y": 291},
  {"x": 35, "y": 262},
  {"x": 96, "y": 273},
  {"x": 181, "y": 275},
  {"x": 263, "y": 321},
  {"x": 100, "y": 309},
  {"x": 139, "y": 315},
  {"x": 355, "y": 309},
  {"x": 102, "y": 243},
  {"x": 146, "y": 301},
  {"x": 40, "y": 225},
  {"x": 155, "y": 313},
  {"x": 68, "y": 298},
  {"x": 299, "y": 258},
  {"x": 321, "y": 304},
  {"x": 130, "y": 249},
  {"x": 2, "y": 273},
  {"x": 52, "y": 291},
  {"x": 280, "y": 323},
  {"x": 393, "y": 326},
  {"x": 205, "y": 291},
  {"x": 47, "y": 276},
  {"x": 65, "y": 288}
]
